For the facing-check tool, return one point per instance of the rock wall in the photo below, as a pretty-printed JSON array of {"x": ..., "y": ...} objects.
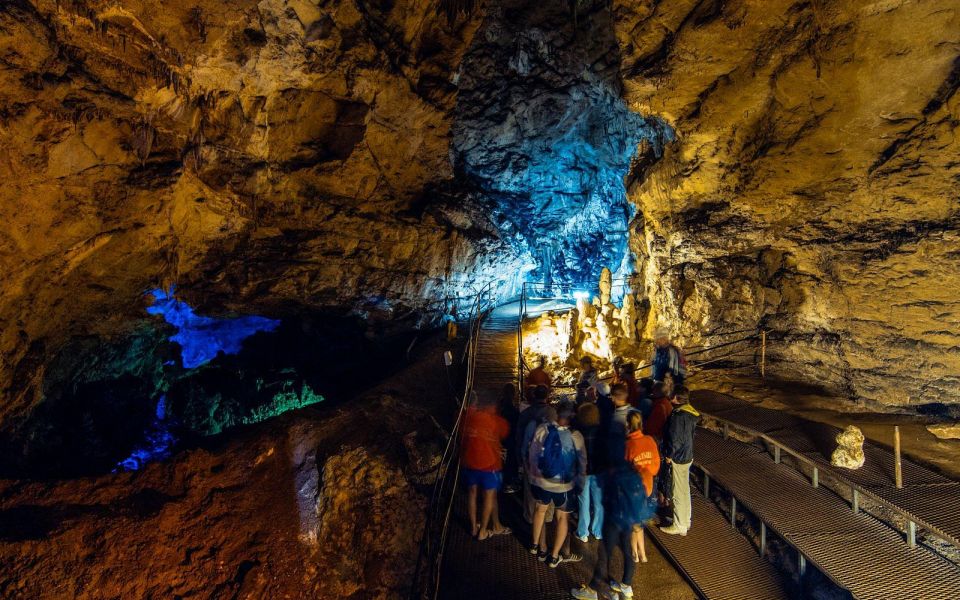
[
  {"x": 318, "y": 504},
  {"x": 282, "y": 155},
  {"x": 265, "y": 156},
  {"x": 541, "y": 129},
  {"x": 813, "y": 186}
]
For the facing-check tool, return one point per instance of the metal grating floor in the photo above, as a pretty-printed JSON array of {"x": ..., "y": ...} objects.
[
  {"x": 931, "y": 499},
  {"x": 857, "y": 551},
  {"x": 719, "y": 561},
  {"x": 501, "y": 568}
]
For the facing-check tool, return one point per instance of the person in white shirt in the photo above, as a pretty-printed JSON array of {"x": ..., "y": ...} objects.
[{"x": 557, "y": 467}]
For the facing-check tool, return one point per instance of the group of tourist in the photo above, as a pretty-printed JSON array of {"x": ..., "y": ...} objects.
[{"x": 612, "y": 459}]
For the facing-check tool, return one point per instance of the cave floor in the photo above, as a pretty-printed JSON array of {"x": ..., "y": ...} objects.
[{"x": 501, "y": 567}]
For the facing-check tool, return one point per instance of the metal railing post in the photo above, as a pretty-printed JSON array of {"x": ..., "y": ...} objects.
[
  {"x": 523, "y": 294},
  {"x": 815, "y": 480},
  {"x": 763, "y": 538},
  {"x": 706, "y": 485},
  {"x": 776, "y": 454},
  {"x": 855, "y": 501},
  {"x": 911, "y": 534},
  {"x": 733, "y": 511}
]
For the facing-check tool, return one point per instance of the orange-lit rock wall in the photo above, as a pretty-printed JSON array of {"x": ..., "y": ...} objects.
[{"x": 813, "y": 189}]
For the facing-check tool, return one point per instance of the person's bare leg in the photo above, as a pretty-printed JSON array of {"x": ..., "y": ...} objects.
[
  {"x": 497, "y": 525},
  {"x": 635, "y": 544},
  {"x": 488, "y": 501},
  {"x": 472, "y": 509},
  {"x": 539, "y": 516},
  {"x": 561, "y": 534},
  {"x": 641, "y": 545}
]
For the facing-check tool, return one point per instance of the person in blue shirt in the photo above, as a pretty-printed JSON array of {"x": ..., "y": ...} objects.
[{"x": 667, "y": 358}]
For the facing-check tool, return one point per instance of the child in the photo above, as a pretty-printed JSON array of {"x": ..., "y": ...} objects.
[
  {"x": 642, "y": 453},
  {"x": 481, "y": 464}
]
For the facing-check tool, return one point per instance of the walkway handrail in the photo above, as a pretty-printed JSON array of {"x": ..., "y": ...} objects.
[
  {"x": 439, "y": 507},
  {"x": 856, "y": 489}
]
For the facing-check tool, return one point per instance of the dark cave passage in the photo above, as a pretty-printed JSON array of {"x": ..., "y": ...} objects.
[
  {"x": 117, "y": 404},
  {"x": 541, "y": 129}
]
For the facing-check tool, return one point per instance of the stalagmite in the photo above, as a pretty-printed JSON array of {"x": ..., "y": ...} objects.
[
  {"x": 849, "y": 451},
  {"x": 628, "y": 318},
  {"x": 606, "y": 285}
]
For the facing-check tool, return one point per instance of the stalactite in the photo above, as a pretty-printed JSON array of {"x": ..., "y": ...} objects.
[
  {"x": 455, "y": 9},
  {"x": 142, "y": 140}
]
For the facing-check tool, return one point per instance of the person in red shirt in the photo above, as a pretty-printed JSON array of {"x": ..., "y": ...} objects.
[
  {"x": 536, "y": 377},
  {"x": 662, "y": 407},
  {"x": 481, "y": 463}
]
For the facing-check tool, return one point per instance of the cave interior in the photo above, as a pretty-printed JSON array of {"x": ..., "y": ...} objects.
[{"x": 232, "y": 234}]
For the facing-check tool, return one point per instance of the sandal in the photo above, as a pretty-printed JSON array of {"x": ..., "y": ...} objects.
[{"x": 501, "y": 531}]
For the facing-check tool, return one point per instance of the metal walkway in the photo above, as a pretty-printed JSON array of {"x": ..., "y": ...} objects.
[
  {"x": 717, "y": 560},
  {"x": 927, "y": 498},
  {"x": 501, "y": 567},
  {"x": 855, "y": 550}
]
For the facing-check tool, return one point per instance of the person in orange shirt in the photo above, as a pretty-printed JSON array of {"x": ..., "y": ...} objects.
[
  {"x": 643, "y": 454},
  {"x": 481, "y": 463}
]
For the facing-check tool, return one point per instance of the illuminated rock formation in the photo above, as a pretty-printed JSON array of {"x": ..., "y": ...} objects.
[{"x": 812, "y": 187}]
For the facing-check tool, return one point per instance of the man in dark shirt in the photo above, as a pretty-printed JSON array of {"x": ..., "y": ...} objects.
[{"x": 678, "y": 452}]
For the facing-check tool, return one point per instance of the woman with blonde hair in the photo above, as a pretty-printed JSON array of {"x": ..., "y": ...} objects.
[{"x": 643, "y": 454}]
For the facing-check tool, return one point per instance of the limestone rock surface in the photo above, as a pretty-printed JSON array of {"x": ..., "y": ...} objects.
[
  {"x": 312, "y": 505},
  {"x": 264, "y": 156},
  {"x": 812, "y": 186}
]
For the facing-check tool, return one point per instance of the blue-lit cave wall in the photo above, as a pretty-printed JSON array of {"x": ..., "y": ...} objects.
[
  {"x": 118, "y": 403},
  {"x": 541, "y": 129}
]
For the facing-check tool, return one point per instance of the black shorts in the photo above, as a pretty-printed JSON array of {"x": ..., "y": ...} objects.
[{"x": 563, "y": 501}]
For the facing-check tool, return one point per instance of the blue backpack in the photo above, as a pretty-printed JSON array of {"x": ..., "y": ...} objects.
[{"x": 554, "y": 461}]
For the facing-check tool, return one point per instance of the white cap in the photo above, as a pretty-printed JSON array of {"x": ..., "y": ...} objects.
[
  {"x": 602, "y": 387},
  {"x": 661, "y": 332}
]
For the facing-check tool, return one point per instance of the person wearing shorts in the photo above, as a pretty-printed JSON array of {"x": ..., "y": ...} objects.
[
  {"x": 556, "y": 491},
  {"x": 481, "y": 464}
]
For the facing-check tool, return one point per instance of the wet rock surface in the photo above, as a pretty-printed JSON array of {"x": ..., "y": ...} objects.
[{"x": 541, "y": 129}]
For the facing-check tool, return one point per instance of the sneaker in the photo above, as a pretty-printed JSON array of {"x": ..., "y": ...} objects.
[
  {"x": 583, "y": 539},
  {"x": 623, "y": 589},
  {"x": 571, "y": 558},
  {"x": 673, "y": 530},
  {"x": 534, "y": 550},
  {"x": 584, "y": 593},
  {"x": 554, "y": 561},
  {"x": 542, "y": 555}
]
